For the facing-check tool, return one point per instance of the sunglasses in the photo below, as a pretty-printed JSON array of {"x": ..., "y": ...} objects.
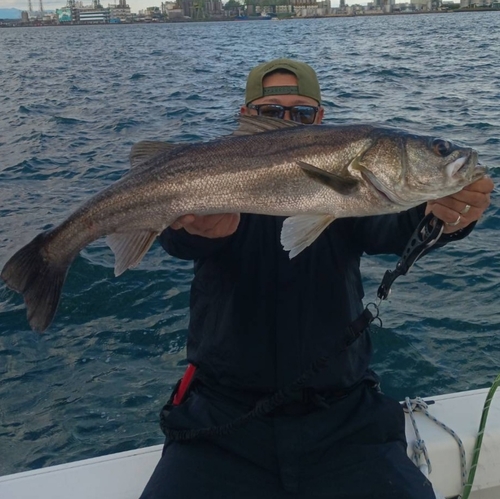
[{"x": 300, "y": 114}]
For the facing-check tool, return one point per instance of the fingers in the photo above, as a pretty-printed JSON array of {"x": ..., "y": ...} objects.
[
  {"x": 459, "y": 201},
  {"x": 219, "y": 225},
  {"x": 453, "y": 219},
  {"x": 181, "y": 221},
  {"x": 211, "y": 226},
  {"x": 470, "y": 208},
  {"x": 467, "y": 206},
  {"x": 484, "y": 185}
]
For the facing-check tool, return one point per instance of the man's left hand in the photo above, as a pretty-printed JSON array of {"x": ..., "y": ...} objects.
[{"x": 466, "y": 206}]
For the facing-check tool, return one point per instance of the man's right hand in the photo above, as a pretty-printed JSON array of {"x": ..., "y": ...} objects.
[{"x": 211, "y": 226}]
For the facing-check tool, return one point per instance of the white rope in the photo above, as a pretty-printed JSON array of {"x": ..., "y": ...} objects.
[{"x": 419, "y": 448}]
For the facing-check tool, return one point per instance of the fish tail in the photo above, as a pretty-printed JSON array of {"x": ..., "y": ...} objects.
[{"x": 38, "y": 279}]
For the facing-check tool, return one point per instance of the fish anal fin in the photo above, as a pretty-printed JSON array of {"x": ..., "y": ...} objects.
[
  {"x": 343, "y": 184},
  {"x": 147, "y": 149},
  {"x": 129, "y": 248},
  {"x": 300, "y": 231}
]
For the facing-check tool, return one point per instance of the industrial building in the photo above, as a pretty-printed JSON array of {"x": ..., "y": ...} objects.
[
  {"x": 77, "y": 13},
  {"x": 120, "y": 12},
  {"x": 92, "y": 16},
  {"x": 201, "y": 9},
  {"x": 475, "y": 3}
]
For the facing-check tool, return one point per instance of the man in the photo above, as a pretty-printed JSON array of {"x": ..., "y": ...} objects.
[{"x": 260, "y": 320}]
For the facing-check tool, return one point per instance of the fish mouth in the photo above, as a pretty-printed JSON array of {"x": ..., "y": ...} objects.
[
  {"x": 467, "y": 165},
  {"x": 478, "y": 171},
  {"x": 458, "y": 166}
]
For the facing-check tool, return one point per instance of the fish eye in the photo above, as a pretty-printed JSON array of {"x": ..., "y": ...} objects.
[{"x": 441, "y": 147}]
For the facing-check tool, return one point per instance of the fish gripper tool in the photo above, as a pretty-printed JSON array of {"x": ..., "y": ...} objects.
[{"x": 426, "y": 234}]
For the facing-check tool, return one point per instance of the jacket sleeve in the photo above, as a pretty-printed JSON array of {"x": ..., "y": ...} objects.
[
  {"x": 185, "y": 246},
  {"x": 389, "y": 234}
]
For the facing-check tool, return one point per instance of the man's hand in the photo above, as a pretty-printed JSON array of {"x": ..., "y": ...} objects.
[
  {"x": 211, "y": 226},
  {"x": 466, "y": 206}
]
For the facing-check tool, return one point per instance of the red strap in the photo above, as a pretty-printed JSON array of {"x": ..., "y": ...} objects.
[{"x": 185, "y": 382}]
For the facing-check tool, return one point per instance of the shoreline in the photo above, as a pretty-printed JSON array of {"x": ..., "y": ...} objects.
[{"x": 7, "y": 23}]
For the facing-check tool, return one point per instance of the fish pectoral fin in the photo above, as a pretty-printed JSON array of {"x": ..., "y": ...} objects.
[
  {"x": 300, "y": 231},
  {"x": 129, "y": 248},
  {"x": 250, "y": 125},
  {"x": 147, "y": 149},
  {"x": 343, "y": 184}
]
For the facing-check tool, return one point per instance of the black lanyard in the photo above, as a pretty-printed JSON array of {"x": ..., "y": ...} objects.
[{"x": 426, "y": 234}]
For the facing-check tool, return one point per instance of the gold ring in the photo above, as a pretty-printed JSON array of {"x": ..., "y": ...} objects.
[
  {"x": 455, "y": 223},
  {"x": 466, "y": 209}
]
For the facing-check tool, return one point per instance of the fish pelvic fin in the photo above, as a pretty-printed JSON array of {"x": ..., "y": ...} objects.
[
  {"x": 343, "y": 184},
  {"x": 129, "y": 248},
  {"x": 39, "y": 280},
  {"x": 301, "y": 231},
  {"x": 147, "y": 149}
]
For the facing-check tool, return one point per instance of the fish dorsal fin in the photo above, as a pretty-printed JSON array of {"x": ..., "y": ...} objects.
[
  {"x": 300, "y": 231},
  {"x": 250, "y": 125},
  {"x": 343, "y": 184},
  {"x": 129, "y": 248},
  {"x": 147, "y": 149}
]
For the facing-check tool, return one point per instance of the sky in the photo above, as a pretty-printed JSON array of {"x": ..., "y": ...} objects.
[{"x": 135, "y": 5}]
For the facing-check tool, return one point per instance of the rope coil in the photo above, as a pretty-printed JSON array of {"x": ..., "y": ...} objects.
[{"x": 420, "y": 449}]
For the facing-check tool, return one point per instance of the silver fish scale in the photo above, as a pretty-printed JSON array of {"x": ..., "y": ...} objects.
[{"x": 329, "y": 171}]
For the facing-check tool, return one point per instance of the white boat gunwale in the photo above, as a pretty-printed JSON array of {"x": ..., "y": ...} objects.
[{"x": 123, "y": 475}]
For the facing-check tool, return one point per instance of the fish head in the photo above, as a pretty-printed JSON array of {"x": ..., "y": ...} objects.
[{"x": 411, "y": 169}]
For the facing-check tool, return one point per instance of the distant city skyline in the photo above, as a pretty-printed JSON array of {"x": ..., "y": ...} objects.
[{"x": 135, "y": 5}]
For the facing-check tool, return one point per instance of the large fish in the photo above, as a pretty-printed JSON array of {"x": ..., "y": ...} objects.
[{"x": 312, "y": 174}]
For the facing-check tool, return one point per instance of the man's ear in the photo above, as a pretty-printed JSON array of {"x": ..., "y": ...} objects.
[
  {"x": 319, "y": 116},
  {"x": 244, "y": 110}
]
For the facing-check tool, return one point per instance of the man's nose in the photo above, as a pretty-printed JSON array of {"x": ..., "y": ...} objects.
[{"x": 287, "y": 116}]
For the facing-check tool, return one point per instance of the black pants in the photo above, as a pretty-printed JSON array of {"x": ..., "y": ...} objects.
[{"x": 354, "y": 449}]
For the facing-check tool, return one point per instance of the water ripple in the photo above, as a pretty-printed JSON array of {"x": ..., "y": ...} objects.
[{"x": 95, "y": 382}]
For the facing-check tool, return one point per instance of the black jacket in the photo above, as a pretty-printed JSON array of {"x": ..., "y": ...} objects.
[{"x": 259, "y": 319}]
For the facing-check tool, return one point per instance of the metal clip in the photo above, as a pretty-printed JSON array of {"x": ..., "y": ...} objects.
[
  {"x": 373, "y": 308},
  {"x": 421, "y": 240}
]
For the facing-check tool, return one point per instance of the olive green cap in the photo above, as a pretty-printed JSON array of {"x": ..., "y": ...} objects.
[{"x": 308, "y": 85}]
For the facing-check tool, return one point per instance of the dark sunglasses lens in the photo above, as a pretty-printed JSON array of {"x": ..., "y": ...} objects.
[
  {"x": 303, "y": 114},
  {"x": 271, "y": 111}
]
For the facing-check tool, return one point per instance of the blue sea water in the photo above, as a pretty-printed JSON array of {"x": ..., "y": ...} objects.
[{"x": 73, "y": 101}]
